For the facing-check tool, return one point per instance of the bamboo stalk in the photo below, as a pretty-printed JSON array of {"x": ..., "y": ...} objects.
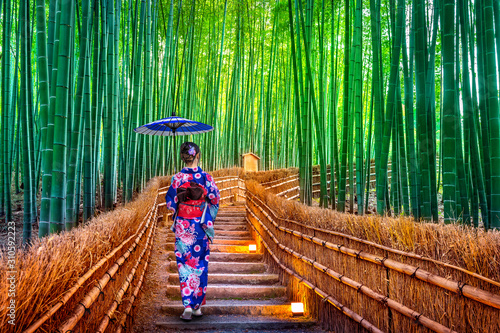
[
  {"x": 92, "y": 295},
  {"x": 128, "y": 280},
  {"x": 382, "y": 247},
  {"x": 67, "y": 296},
  {"x": 348, "y": 312},
  {"x": 418, "y": 317}
]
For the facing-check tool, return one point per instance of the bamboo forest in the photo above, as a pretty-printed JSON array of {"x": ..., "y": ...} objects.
[{"x": 406, "y": 91}]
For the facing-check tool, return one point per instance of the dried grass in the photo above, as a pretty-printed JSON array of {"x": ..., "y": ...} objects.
[
  {"x": 51, "y": 265},
  {"x": 269, "y": 176},
  {"x": 473, "y": 249}
]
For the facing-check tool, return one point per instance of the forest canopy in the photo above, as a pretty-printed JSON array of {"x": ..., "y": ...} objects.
[{"x": 404, "y": 92}]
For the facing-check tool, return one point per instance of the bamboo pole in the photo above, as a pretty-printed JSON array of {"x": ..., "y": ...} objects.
[
  {"x": 92, "y": 295},
  {"x": 348, "y": 312},
  {"x": 418, "y": 317},
  {"x": 128, "y": 281},
  {"x": 379, "y": 246},
  {"x": 482, "y": 296},
  {"x": 121, "y": 322},
  {"x": 67, "y": 296}
]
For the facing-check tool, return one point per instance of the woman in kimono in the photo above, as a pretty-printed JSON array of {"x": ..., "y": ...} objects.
[{"x": 194, "y": 199}]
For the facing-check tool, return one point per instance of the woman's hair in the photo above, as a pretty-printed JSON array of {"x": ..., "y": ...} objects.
[{"x": 189, "y": 151}]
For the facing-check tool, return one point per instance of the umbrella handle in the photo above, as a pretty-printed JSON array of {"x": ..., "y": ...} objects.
[{"x": 174, "y": 153}]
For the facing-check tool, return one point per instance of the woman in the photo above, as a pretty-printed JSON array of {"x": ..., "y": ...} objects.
[{"x": 194, "y": 199}]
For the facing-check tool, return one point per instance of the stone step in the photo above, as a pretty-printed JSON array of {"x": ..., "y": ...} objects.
[
  {"x": 231, "y": 218},
  {"x": 224, "y": 225},
  {"x": 235, "y": 234},
  {"x": 224, "y": 240},
  {"x": 242, "y": 227},
  {"x": 270, "y": 307},
  {"x": 246, "y": 237},
  {"x": 231, "y": 278},
  {"x": 230, "y": 221},
  {"x": 235, "y": 257},
  {"x": 230, "y": 267},
  {"x": 234, "y": 241},
  {"x": 238, "y": 208},
  {"x": 233, "y": 210},
  {"x": 226, "y": 216},
  {"x": 217, "y": 248},
  {"x": 236, "y": 323},
  {"x": 227, "y": 257},
  {"x": 234, "y": 291}
]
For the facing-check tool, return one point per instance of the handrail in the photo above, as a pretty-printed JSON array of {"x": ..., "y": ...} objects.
[
  {"x": 351, "y": 314},
  {"x": 382, "y": 247},
  {"x": 477, "y": 294},
  {"x": 70, "y": 292},
  {"x": 128, "y": 280},
  {"x": 404, "y": 310},
  {"x": 92, "y": 295}
]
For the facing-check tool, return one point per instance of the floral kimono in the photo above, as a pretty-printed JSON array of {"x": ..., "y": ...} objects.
[{"x": 194, "y": 228}]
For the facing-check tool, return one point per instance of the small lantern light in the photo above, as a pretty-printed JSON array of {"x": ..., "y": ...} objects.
[
  {"x": 252, "y": 247},
  {"x": 297, "y": 309}
]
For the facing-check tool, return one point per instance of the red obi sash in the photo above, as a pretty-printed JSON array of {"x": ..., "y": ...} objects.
[{"x": 191, "y": 198}]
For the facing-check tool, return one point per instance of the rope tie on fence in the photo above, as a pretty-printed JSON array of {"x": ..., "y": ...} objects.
[
  {"x": 339, "y": 246},
  {"x": 110, "y": 277},
  {"x": 460, "y": 288},
  {"x": 382, "y": 262},
  {"x": 109, "y": 317},
  {"x": 340, "y": 277},
  {"x": 359, "y": 288},
  {"x": 417, "y": 318},
  {"x": 86, "y": 310},
  {"x": 357, "y": 254},
  {"x": 323, "y": 243},
  {"x": 414, "y": 273},
  {"x": 384, "y": 300},
  {"x": 98, "y": 286}
]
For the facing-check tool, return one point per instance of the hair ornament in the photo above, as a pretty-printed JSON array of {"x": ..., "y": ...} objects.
[{"x": 191, "y": 151}]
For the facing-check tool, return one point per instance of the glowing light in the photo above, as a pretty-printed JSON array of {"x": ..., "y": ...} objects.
[
  {"x": 297, "y": 309},
  {"x": 252, "y": 247}
]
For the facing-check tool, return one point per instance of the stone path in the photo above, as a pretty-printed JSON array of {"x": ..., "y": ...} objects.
[{"x": 242, "y": 296}]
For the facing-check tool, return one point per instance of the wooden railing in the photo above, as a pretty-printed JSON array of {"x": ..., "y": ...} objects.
[
  {"x": 281, "y": 187},
  {"x": 127, "y": 264},
  {"x": 377, "y": 287},
  {"x": 104, "y": 296}
]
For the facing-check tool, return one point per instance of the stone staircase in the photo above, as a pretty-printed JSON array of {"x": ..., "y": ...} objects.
[{"x": 241, "y": 293}]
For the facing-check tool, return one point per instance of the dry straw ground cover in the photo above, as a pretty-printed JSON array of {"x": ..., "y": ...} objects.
[
  {"x": 473, "y": 249},
  {"x": 52, "y": 265},
  {"x": 470, "y": 249}
]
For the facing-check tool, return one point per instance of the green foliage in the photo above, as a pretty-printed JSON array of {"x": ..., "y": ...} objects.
[{"x": 298, "y": 83}]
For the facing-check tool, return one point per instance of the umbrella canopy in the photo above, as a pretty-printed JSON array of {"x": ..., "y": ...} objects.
[{"x": 174, "y": 126}]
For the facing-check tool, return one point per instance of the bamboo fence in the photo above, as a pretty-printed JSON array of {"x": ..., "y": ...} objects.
[
  {"x": 393, "y": 290},
  {"x": 349, "y": 283}
]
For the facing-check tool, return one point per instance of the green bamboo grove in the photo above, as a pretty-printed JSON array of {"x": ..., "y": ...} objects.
[{"x": 396, "y": 101}]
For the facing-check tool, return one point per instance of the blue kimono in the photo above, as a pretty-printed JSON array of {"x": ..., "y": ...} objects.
[{"x": 192, "y": 235}]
